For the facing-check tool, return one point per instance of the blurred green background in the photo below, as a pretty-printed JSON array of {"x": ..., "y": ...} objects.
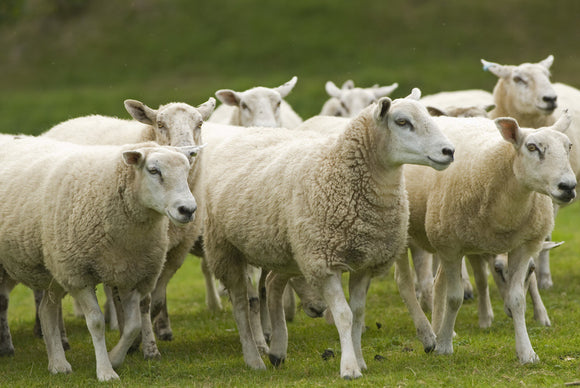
[{"x": 65, "y": 58}]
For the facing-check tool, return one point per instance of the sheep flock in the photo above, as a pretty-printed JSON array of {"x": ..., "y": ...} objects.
[{"x": 251, "y": 186}]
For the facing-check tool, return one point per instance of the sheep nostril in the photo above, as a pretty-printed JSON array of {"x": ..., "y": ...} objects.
[
  {"x": 566, "y": 186},
  {"x": 448, "y": 152},
  {"x": 550, "y": 99},
  {"x": 186, "y": 211}
]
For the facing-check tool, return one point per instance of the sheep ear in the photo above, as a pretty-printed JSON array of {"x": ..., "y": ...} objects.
[
  {"x": 382, "y": 108},
  {"x": 510, "y": 130},
  {"x": 385, "y": 90},
  {"x": 206, "y": 109},
  {"x": 496, "y": 69},
  {"x": 133, "y": 158},
  {"x": 191, "y": 152},
  {"x": 563, "y": 122},
  {"x": 435, "y": 112},
  {"x": 547, "y": 63},
  {"x": 285, "y": 89},
  {"x": 228, "y": 97},
  {"x": 141, "y": 112},
  {"x": 415, "y": 94},
  {"x": 348, "y": 84},
  {"x": 332, "y": 90}
]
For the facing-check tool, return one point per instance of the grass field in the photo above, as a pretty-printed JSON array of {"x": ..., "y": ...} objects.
[
  {"x": 206, "y": 349},
  {"x": 62, "y": 59}
]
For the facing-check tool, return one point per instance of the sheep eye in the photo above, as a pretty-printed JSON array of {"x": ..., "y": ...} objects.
[
  {"x": 278, "y": 104},
  {"x": 154, "y": 171},
  {"x": 244, "y": 106},
  {"x": 160, "y": 125},
  {"x": 532, "y": 147},
  {"x": 520, "y": 80},
  {"x": 343, "y": 105},
  {"x": 401, "y": 122}
]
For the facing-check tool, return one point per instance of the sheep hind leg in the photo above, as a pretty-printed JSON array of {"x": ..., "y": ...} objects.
[
  {"x": 448, "y": 299},
  {"x": 276, "y": 284},
  {"x": 148, "y": 342},
  {"x": 131, "y": 326},
  {"x": 423, "y": 263},
  {"x": 484, "y": 309},
  {"x": 406, "y": 286},
  {"x": 212, "y": 296},
  {"x": 540, "y": 312},
  {"x": 37, "y": 330},
  {"x": 255, "y": 318},
  {"x": 110, "y": 311},
  {"x": 333, "y": 294},
  {"x": 6, "y": 345},
  {"x": 264, "y": 307},
  {"x": 49, "y": 319}
]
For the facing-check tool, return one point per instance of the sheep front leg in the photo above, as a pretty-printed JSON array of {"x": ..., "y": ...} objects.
[
  {"x": 275, "y": 285},
  {"x": 405, "y": 283},
  {"x": 448, "y": 299},
  {"x": 95, "y": 320},
  {"x": 484, "y": 309},
  {"x": 359, "y": 283},
  {"x": 333, "y": 294},
  {"x": 518, "y": 270},
  {"x": 6, "y": 286},
  {"x": 131, "y": 326},
  {"x": 148, "y": 342},
  {"x": 540, "y": 312}
]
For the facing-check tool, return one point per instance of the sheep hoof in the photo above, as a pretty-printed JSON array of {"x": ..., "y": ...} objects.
[
  {"x": 275, "y": 360},
  {"x": 168, "y": 336},
  {"x": 7, "y": 351},
  {"x": 65, "y": 344},
  {"x": 429, "y": 349},
  {"x": 468, "y": 295}
]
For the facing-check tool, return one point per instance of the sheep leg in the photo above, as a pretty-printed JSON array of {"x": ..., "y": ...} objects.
[
  {"x": 95, "y": 320},
  {"x": 264, "y": 307},
  {"x": 255, "y": 318},
  {"x": 148, "y": 342},
  {"x": 467, "y": 287},
  {"x": 405, "y": 282},
  {"x": 212, "y": 296},
  {"x": 423, "y": 262},
  {"x": 448, "y": 299},
  {"x": 518, "y": 269},
  {"x": 289, "y": 303},
  {"x": 358, "y": 285},
  {"x": 484, "y": 309},
  {"x": 6, "y": 286},
  {"x": 239, "y": 296},
  {"x": 540, "y": 312},
  {"x": 276, "y": 284},
  {"x": 49, "y": 319},
  {"x": 63, "y": 336},
  {"x": 333, "y": 294},
  {"x": 110, "y": 311},
  {"x": 37, "y": 298},
  {"x": 131, "y": 326},
  {"x": 544, "y": 277}
]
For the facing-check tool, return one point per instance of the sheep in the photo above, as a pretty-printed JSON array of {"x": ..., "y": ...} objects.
[
  {"x": 495, "y": 198},
  {"x": 175, "y": 124},
  {"x": 317, "y": 206},
  {"x": 74, "y": 216},
  {"x": 348, "y": 101},
  {"x": 461, "y": 111},
  {"x": 257, "y": 107}
]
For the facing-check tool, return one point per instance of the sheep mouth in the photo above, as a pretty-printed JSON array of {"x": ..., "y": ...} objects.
[
  {"x": 565, "y": 197},
  {"x": 440, "y": 164},
  {"x": 548, "y": 109},
  {"x": 180, "y": 219}
]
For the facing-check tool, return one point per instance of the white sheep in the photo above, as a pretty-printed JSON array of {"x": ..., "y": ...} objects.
[
  {"x": 175, "y": 124},
  {"x": 74, "y": 216},
  {"x": 349, "y": 101},
  {"x": 317, "y": 206},
  {"x": 257, "y": 107},
  {"x": 495, "y": 198}
]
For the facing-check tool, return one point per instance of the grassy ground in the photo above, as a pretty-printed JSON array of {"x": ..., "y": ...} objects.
[
  {"x": 63, "y": 59},
  {"x": 206, "y": 350}
]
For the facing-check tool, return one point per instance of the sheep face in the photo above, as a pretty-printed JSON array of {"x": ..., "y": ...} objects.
[
  {"x": 259, "y": 106},
  {"x": 354, "y": 100},
  {"x": 161, "y": 181},
  {"x": 542, "y": 158},
  {"x": 413, "y": 136},
  {"x": 175, "y": 124},
  {"x": 526, "y": 88}
]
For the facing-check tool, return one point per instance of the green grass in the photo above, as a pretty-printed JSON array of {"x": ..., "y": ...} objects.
[{"x": 206, "y": 349}]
